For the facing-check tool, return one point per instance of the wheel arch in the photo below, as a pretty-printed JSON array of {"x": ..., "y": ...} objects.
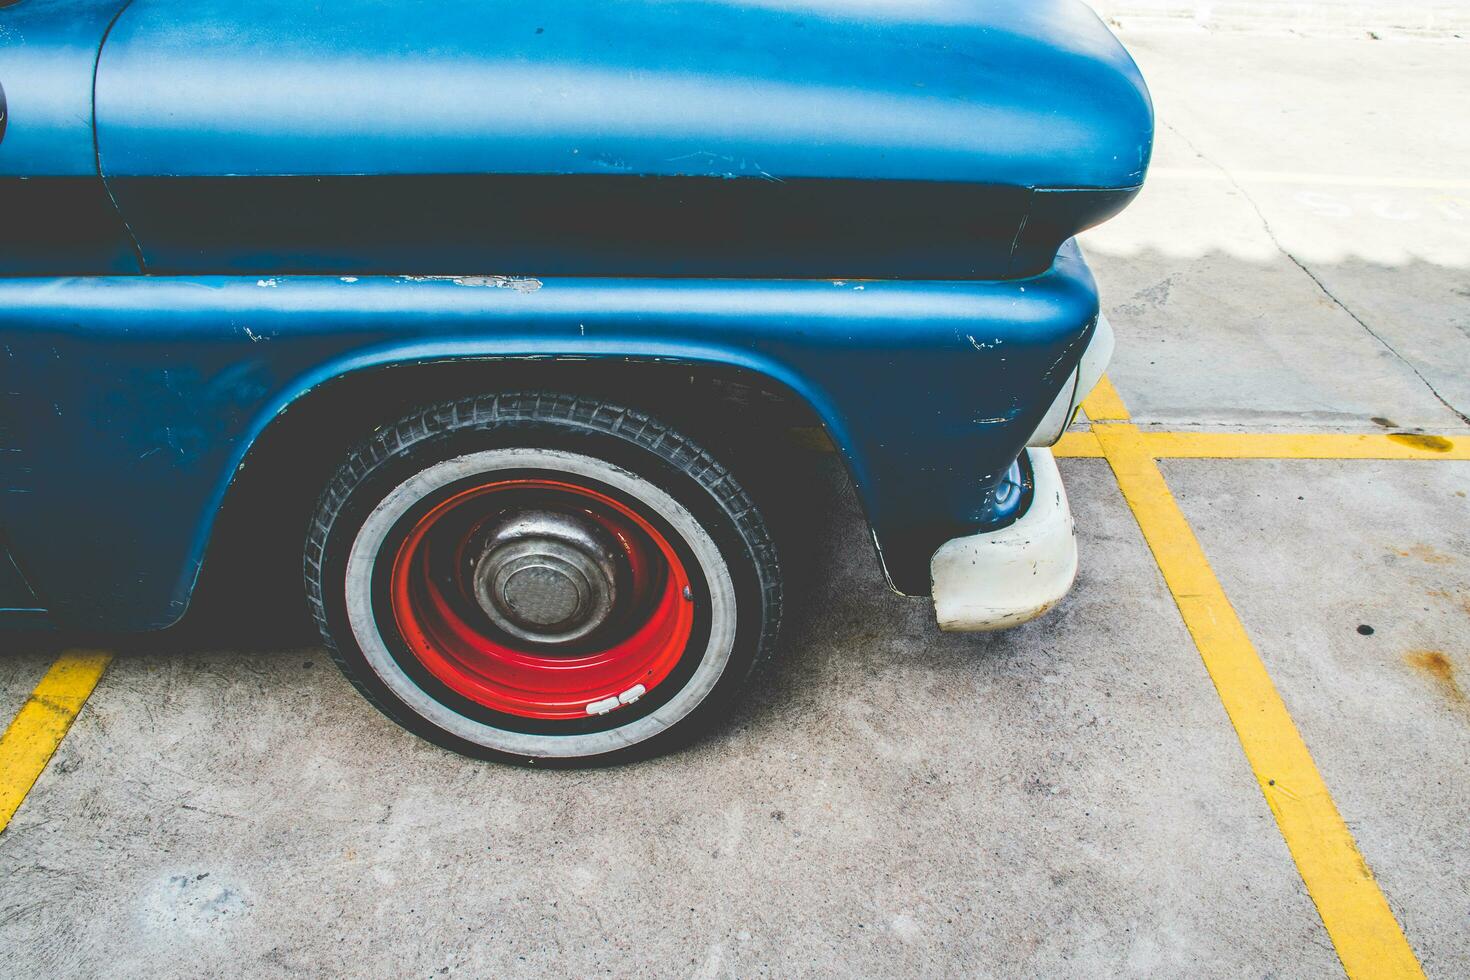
[{"x": 299, "y": 441}]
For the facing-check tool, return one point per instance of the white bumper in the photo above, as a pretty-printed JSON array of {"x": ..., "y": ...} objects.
[{"x": 1005, "y": 577}]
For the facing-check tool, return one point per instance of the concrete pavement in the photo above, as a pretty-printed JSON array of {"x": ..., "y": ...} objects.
[{"x": 1067, "y": 798}]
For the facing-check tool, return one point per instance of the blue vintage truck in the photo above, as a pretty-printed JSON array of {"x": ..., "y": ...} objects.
[{"x": 461, "y": 300}]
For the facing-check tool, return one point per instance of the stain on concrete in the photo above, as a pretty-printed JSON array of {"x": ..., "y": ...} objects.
[
  {"x": 1426, "y": 554},
  {"x": 1441, "y": 670},
  {"x": 1149, "y": 298},
  {"x": 1418, "y": 440},
  {"x": 1462, "y": 599},
  {"x": 193, "y": 904}
]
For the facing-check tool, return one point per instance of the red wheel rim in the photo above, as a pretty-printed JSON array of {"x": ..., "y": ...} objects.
[{"x": 495, "y": 670}]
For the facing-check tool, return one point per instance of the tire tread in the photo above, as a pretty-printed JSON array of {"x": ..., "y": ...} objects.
[{"x": 489, "y": 411}]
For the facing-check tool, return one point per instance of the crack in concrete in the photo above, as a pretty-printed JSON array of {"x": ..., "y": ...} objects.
[{"x": 1271, "y": 234}]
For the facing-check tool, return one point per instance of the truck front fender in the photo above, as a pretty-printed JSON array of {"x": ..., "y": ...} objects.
[{"x": 132, "y": 401}]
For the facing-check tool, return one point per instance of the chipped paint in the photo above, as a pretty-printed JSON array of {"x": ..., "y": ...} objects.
[
  {"x": 520, "y": 284},
  {"x": 602, "y": 707},
  {"x": 267, "y": 283}
]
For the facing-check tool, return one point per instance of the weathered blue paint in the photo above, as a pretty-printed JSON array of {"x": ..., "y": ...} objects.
[
  {"x": 48, "y": 51},
  {"x": 155, "y": 388},
  {"x": 1027, "y": 94},
  {"x": 879, "y": 139},
  {"x": 769, "y": 151},
  {"x": 55, "y": 214}
]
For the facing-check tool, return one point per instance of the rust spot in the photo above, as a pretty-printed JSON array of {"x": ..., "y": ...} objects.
[
  {"x": 1438, "y": 668},
  {"x": 1427, "y": 555},
  {"x": 810, "y": 438},
  {"x": 1460, "y": 598},
  {"x": 1433, "y": 444}
]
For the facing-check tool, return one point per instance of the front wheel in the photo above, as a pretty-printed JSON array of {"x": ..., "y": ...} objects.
[{"x": 542, "y": 578}]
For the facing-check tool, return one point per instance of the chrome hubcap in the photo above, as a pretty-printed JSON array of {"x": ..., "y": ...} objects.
[{"x": 545, "y": 576}]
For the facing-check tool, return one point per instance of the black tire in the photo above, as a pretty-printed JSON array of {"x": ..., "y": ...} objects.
[{"x": 624, "y": 452}]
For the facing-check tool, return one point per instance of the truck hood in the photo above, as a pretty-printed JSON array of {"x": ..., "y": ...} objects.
[{"x": 1027, "y": 93}]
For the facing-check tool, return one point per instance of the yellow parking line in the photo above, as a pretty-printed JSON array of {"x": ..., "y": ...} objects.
[
  {"x": 1357, "y": 917},
  {"x": 1103, "y": 403},
  {"x": 37, "y": 730},
  {"x": 1078, "y": 445},
  {"x": 1081, "y": 444},
  {"x": 1260, "y": 445}
]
